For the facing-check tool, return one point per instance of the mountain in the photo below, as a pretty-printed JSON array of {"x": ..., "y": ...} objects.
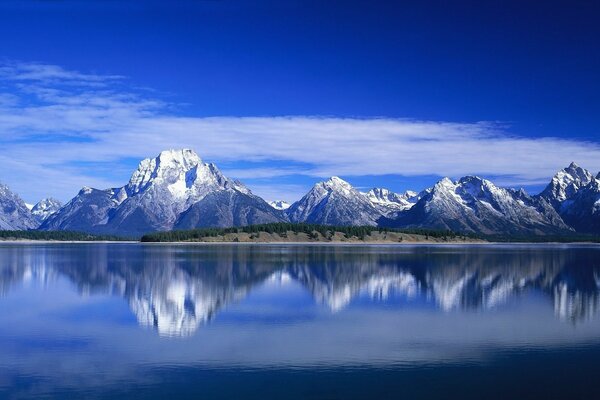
[
  {"x": 390, "y": 203},
  {"x": 476, "y": 205},
  {"x": 279, "y": 204},
  {"x": 86, "y": 212},
  {"x": 229, "y": 208},
  {"x": 14, "y": 214},
  {"x": 46, "y": 207},
  {"x": 565, "y": 184},
  {"x": 334, "y": 202},
  {"x": 156, "y": 197},
  {"x": 575, "y": 194},
  {"x": 582, "y": 210}
]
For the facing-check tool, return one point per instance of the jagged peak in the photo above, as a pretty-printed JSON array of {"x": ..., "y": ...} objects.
[
  {"x": 575, "y": 172},
  {"x": 444, "y": 183},
  {"x": 334, "y": 184},
  {"x": 47, "y": 202},
  {"x": 566, "y": 182},
  {"x": 474, "y": 179},
  {"x": 279, "y": 204},
  {"x": 86, "y": 190},
  {"x": 179, "y": 155},
  {"x": 336, "y": 181}
]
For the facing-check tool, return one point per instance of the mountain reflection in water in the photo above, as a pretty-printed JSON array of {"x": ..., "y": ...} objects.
[{"x": 177, "y": 289}]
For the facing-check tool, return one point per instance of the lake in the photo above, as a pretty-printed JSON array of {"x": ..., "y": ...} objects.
[{"x": 122, "y": 320}]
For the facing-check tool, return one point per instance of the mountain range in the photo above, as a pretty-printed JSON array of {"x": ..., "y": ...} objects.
[{"x": 177, "y": 190}]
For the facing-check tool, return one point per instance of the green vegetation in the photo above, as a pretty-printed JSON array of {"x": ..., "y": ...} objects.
[
  {"x": 55, "y": 235},
  {"x": 312, "y": 230}
]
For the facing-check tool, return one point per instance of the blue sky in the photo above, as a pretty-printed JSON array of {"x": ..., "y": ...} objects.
[{"x": 283, "y": 94}]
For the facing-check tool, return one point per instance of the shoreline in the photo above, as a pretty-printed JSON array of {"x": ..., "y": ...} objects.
[{"x": 316, "y": 243}]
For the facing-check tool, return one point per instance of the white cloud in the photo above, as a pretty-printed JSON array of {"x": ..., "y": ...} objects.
[{"x": 49, "y": 107}]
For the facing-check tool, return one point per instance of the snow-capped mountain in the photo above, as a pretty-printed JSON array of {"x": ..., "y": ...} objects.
[
  {"x": 46, "y": 207},
  {"x": 14, "y": 214},
  {"x": 158, "y": 194},
  {"x": 177, "y": 190},
  {"x": 565, "y": 184},
  {"x": 582, "y": 210},
  {"x": 390, "y": 203},
  {"x": 575, "y": 194},
  {"x": 279, "y": 204},
  {"x": 334, "y": 202},
  {"x": 473, "y": 204}
]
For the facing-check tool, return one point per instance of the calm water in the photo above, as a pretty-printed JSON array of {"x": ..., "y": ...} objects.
[{"x": 291, "y": 321}]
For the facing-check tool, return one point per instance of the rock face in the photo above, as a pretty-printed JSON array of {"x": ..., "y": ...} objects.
[
  {"x": 390, "y": 203},
  {"x": 476, "y": 205},
  {"x": 14, "y": 214},
  {"x": 334, "y": 202},
  {"x": 575, "y": 194},
  {"x": 582, "y": 210},
  {"x": 228, "y": 208},
  {"x": 565, "y": 184},
  {"x": 159, "y": 192},
  {"x": 45, "y": 208}
]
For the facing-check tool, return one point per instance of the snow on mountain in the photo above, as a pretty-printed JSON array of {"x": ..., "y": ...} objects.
[
  {"x": 14, "y": 214},
  {"x": 389, "y": 203},
  {"x": 279, "y": 204},
  {"x": 582, "y": 209},
  {"x": 334, "y": 202},
  {"x": 566, "y": 183},
  {"x": 473, "y": 204},
  {"x": 575, "y": 194},
  {"x": 158, "y": 193},
  {"x": 86, "y": 212},
  {"x": 46, "y": 207}
]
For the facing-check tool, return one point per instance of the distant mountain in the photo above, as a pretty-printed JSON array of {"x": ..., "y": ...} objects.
[
  {"x": 575, "y": 194},
  {"x": 279, "y": 204},
  {"x": 390, "y": 203},
  {"x": 334, "y": 202},
  {"x": 476, "y": 205},
  {"x": 158, "y": 194},
  {"x": 582, "y": 210},
  {"x": 565, "y": 184},
  {"x": 176, "y": 190},
  {"x": 45, "y": 208},
  {"x": 227, "y": 208},
  {"x": 14, "y": 213}
]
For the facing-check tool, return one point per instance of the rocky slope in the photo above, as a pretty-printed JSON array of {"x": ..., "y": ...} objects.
[
  {"x": 473, "y": 204},
  {"x": 14, "y": 214},
  {"x": 158, "y": 194},
  {"x": 334, "y": 202}
]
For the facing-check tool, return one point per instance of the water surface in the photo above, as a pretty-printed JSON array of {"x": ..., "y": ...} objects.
[{"x": 299, "y": 321}]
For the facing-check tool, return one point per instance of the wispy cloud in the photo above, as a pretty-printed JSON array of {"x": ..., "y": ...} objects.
[{"x": 52, "y": 119}]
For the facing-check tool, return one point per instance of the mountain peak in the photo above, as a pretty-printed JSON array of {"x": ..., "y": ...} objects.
[
  {"x": 46, "y": 207},
  {"x": 14, "y": 214},
  {"x": 336, "y": 182},
  {"x": 389, "y": 202},
  {"x": 183, "y": 156},
  {"x": 279, "y": 204},
  {"x": 566, "y": 182}
]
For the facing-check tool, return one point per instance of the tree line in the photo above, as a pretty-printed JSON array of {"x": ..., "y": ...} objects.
[
  {"x": 56, "y": 235},
  {"x": 282, "y": 228}
]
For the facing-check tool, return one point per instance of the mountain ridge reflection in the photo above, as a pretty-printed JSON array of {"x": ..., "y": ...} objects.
[{"x": 177, "y": 289}]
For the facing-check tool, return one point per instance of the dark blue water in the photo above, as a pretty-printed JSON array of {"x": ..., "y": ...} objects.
[{"x": 291, "y": 321}]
